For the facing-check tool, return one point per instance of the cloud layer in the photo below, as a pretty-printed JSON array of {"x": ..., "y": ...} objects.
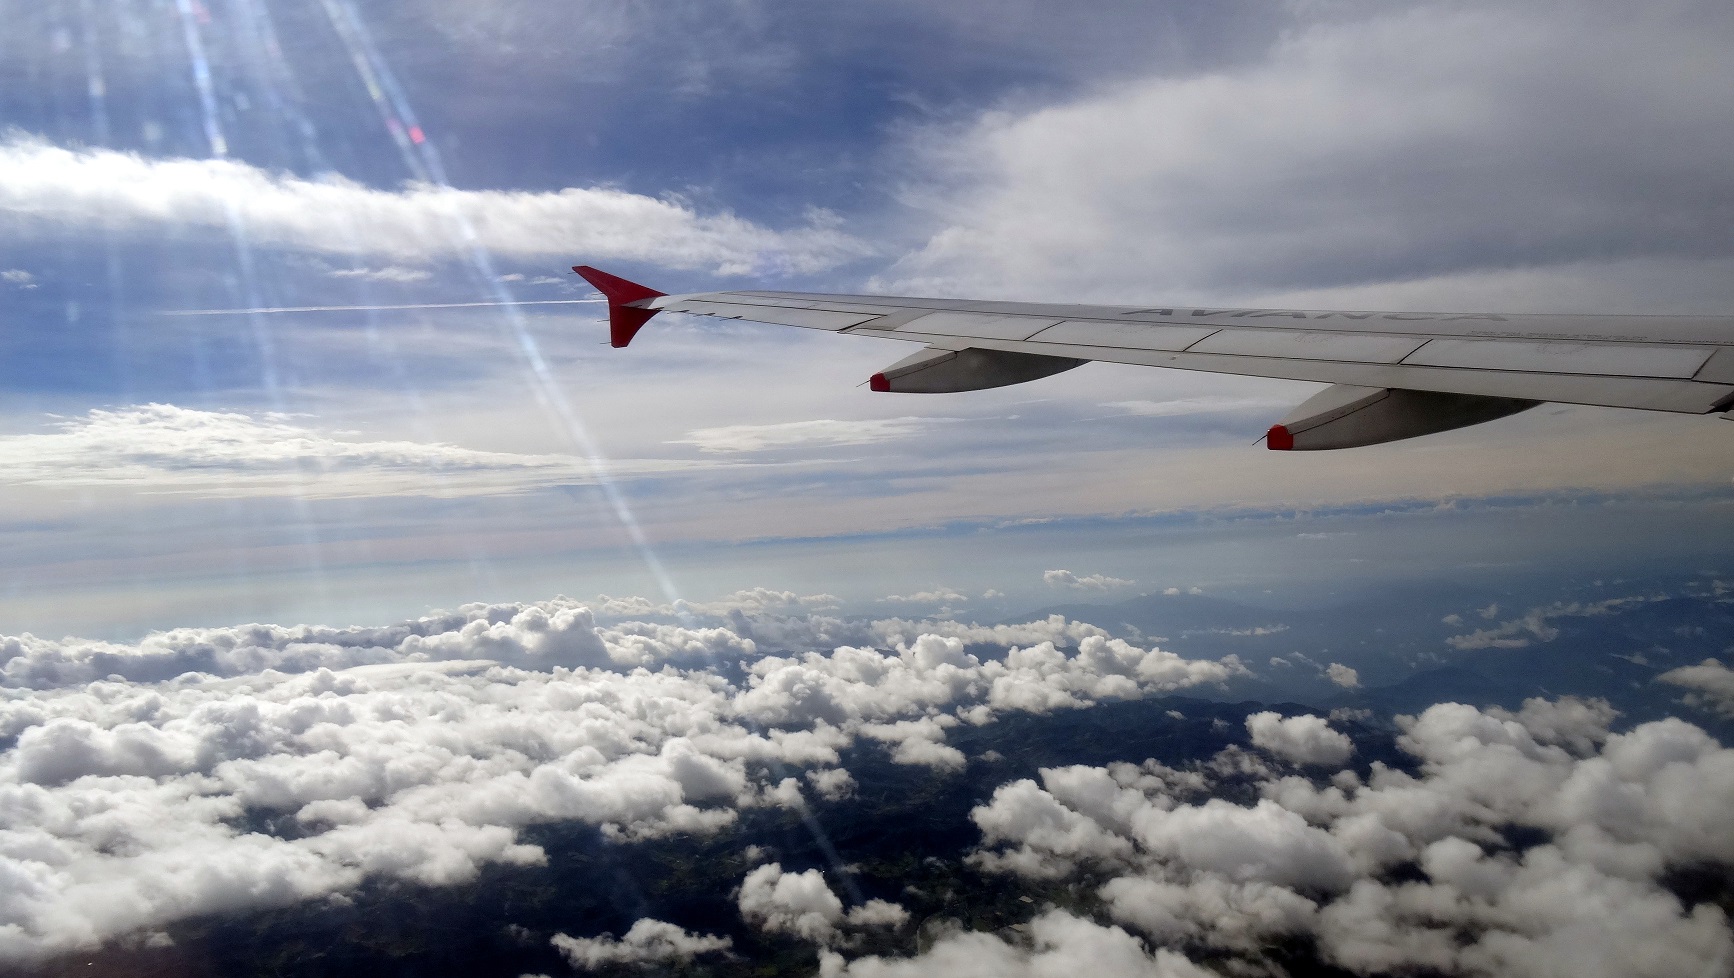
[
  {"x": 420, "y": 750},
  {"x": 1371, "y": 143},
  {"x": 796, "y": 434},
  {"x": 164, "y": 448},
  {"x": 42, "y": 185},
  {"x": 1535, "y": 843}
]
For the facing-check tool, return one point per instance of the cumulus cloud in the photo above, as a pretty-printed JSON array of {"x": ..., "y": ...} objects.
[
  {"x": 803, "y": 905},
  {"x": 1344, "y": 676},
  {"x": 421, "y": 750},
  {"x": 648, "y": 942},
  {"x": 42, "y": 185},
  {"x": 18, "y": 278},
  {"x": 1302, "y": 739},
  {"x": 164, "y": 448},
  {"x": 1055, "y": 943},
  {"x": 823, "y": 433},
  {"x": 1093, "y": 582},
  {"x": 1711, "y": 685},
  {"x": 919, "y": 742},
  {"x": 1055, "y": 629},
  {"x": 832, "y": 784},
  {"x": 934, "y": 673},
  {"x": 1528, "y": 843},
  {"x": 1316, "y": 162},
  {"x": 544, "y": 635}
]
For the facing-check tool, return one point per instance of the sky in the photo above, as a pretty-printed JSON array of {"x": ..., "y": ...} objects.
[
  {"x": 168, "y": 463},
  {"x": 305, "y": 420}
]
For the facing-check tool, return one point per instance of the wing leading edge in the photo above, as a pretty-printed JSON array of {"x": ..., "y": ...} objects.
[{"x": 1394, "y": 374}]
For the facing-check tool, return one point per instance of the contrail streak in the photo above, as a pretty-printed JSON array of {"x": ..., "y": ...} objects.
[{"x": 417, "y": 305}]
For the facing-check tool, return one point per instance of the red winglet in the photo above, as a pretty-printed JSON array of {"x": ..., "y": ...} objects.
[
  {"x": 1279, "y": 439},
  {"x": 625, "y": 317}
]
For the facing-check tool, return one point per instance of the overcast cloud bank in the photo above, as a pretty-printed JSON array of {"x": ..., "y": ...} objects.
[{"x": 1371, "y": 145}]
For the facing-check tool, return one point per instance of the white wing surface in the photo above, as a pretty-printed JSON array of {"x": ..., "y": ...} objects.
[{"x": 1396, "y": 374}]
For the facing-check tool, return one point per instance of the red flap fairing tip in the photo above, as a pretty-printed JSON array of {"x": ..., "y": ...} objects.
[{"x": 625, "y": 316}]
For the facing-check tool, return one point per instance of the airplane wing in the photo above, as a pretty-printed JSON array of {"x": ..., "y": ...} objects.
[{"x": 1394, "y": 375}]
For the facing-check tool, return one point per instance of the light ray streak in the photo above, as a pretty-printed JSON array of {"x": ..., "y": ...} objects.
[
  {"x": 257, "y": 31},
  {"x": 192, "y": 13},
  {"x": 202, "y": 77},
  {"x": 268, "y": 310},
  {"x": 96, "y": 84},
  {"x": 423, "y": 159}
]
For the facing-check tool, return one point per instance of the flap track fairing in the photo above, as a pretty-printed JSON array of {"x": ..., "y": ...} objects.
[
  {"x": 936, "y": 371},
  {"x": 1342, "y": 416}
]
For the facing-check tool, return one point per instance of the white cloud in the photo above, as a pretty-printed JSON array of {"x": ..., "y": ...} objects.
[
  {"x": 1711, "y": 684},
  {"x": 1401, "y": 872},
  {"x": 390, "y": 273},
  {"x": 822, "y": 433},
  {"x": 803, "y": 905},
  {"x": 1054, "y": 629},
  {"x": 1093, "y": 582},
  {"x": 18, "y": 278},
  {"x": 420, "y": 750},
  {"x": 545, "y": 635},
  {"x": 1303, "y": 739},
  {"x": 756, "y": 601},
  {"x": 878, "y": 914},
  {"x": 919, "y": 742},
  {"x": 1344, "y": 676},
  {"x": 648, "y": 942},
  {"x": 1054, "y": 944},
  {"x": 940, "y": 595},
  {"x": 46, "y": 185},
  {"x": 833, "y": 784},
  {"x": 791, "y": 902},
  {"x": 168, "y": 449},
  {"x": 853, "y": 686},
  {"x": 1321, "y": 162}
]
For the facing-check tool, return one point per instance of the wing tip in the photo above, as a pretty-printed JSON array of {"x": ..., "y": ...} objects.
[{"x": 625, "y": 316}]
